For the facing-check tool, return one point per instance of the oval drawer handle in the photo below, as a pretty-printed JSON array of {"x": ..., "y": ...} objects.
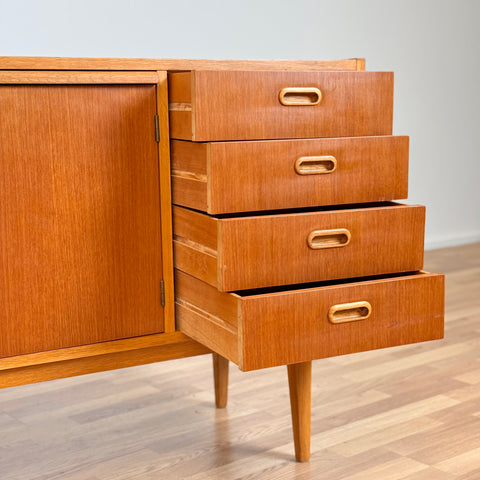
[
  {"x": 349, "y": 312},
  {"x": 301, "y": 96},
  {"x": 315, "y": 165},
  {"x": 329, "y": 238}
]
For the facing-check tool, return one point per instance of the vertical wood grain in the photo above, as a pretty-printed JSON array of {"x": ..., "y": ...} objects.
[
  {"x": 244, "y": 105},
  {"x": 260, "y": 175},
  {"x": 404, "y": 310},
  {"x": 255, "y": 251},
  {"x": 220, "y": 376},
  {"x": 80, "y": 250},
  {"x": 300, "y": 386},
  {"x": 292, "y": 326},
  {"x": 165, "y": 201}
]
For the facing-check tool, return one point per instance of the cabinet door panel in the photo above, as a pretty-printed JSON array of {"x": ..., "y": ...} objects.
[{"x": 80, "y": 243}]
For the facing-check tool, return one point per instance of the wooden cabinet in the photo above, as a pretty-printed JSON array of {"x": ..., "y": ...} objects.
[
  {"x": 285, "y": 248},
  {"x": 287, "y": 244}
]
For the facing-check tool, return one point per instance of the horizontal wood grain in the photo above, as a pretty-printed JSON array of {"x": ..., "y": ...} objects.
[
  {"x": 224, "y": 177},
  {"x": 292, "y": 326},
  {"x": 96, "y": 358},
  {"x": 244, "y": 105},
  {"x": 265, "y": 250},
  {"x": 73, "y": 77},
  {"x": 92, "y": 350},
  {"x": 65, "y": 63}
]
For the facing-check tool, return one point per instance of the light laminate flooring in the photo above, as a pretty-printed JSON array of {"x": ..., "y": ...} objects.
[{"x": 405, "y": 413}]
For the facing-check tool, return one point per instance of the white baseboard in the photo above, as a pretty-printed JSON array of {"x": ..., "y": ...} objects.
[{"x": 442, "y": 241}]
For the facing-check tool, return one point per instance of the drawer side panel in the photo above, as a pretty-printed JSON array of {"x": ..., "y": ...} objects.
[{"x": 207, "y": 315}]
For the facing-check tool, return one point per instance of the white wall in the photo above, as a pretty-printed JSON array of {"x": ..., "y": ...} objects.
[{"x": 433, "y": 46}]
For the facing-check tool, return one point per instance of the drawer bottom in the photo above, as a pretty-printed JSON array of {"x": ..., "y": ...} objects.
[{"x": 279, "y": 326}]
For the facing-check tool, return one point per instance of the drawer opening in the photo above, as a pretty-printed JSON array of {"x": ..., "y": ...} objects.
[
  {"x": 326, "y": 208},
  {"x": 306, "y": 286}
]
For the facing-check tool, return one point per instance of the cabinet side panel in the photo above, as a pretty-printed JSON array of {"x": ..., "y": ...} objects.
[{"x": 80, "y": 249}]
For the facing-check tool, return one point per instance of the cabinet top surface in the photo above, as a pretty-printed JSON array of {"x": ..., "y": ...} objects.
[{"x": 63, "y": 63}]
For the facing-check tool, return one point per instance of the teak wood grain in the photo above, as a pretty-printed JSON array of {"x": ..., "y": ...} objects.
[
  {"x": 226, "y": 105},
  {"x": 300, "y": 386},
  {"x": 266, "y": 250},
  {"x": 225, "y": 177},
  {"x": 284, "y": 327},
  {"x": 80, "y": 256},
  {"x": 165, "y": 201},
  {"x": 69, "y": 77},
  {"x": 65, "y": 63},
  {"x": 99, "y": 357},
  {"x": 220, "y": 379}
]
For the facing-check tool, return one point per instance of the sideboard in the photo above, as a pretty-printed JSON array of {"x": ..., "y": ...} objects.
[{"x": 158, "y": 209}]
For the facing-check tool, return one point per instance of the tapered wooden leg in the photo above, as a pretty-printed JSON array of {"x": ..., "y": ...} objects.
[
  {"x": 220, "y": 377},
  {"x": 300, "y": 384}
]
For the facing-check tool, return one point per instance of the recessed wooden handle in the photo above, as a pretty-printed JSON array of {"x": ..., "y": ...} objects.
[
  {"x": 329, "y": 238},
  {"x": 349, "y": 312},
  {"x": 315, "y": 165},
  {"x": 301, "y": 96}
]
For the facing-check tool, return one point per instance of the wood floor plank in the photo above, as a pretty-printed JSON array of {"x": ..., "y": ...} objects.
[
  {"x": 406, "y": 413},
  {"x": 461, "y": 464}
]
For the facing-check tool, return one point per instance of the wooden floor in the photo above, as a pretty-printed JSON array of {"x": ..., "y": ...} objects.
[{"x": 404, "y": 413}]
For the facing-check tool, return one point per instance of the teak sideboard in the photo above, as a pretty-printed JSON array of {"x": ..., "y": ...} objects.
[{"x": 158, "y": 209}]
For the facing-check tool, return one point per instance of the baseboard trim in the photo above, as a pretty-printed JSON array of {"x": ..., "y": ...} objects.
[{"x": 444, "y": 241}]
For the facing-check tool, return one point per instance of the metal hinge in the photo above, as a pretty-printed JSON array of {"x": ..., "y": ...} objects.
[
  {"x": 157, "y": 128},
  {"x": 162, "y": 293}
]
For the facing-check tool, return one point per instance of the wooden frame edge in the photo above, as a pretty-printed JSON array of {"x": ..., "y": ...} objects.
[
  {"x": 69, "y": 362},
  {"x": 172, "y": 64},
  {"x": 39, "y": 77},
  {"x": 165, "y": 201}
]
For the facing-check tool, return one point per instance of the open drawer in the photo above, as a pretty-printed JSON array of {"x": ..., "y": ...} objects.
[
  {"x": 227, "y": 177},
  {"x": 213, "y": 105},
  {"x": 279, "y": 326},
  {"x": 265, "y": 249}
]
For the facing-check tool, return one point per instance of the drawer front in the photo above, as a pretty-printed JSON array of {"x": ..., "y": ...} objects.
[
  {"x": 277, "y": 328},
  {"x": 226, "y": 177},
  {"x": 222, "y": 105},
  {"x": 266, "y": 250}
]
